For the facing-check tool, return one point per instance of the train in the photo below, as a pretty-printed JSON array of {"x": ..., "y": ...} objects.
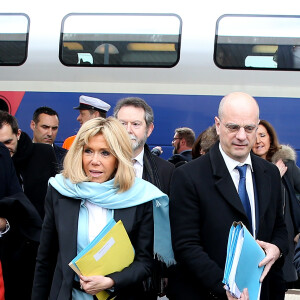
[{"x": 181, "y": 57}]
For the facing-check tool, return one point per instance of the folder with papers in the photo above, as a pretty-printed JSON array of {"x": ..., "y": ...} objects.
[
  {"x": 241, "y": 268},
  {"x": 110, "y": 251}
]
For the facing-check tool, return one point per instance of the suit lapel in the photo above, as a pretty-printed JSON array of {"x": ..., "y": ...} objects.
[
  {"x": 224, "y": 182},
  {"x": 127, "y": 216},
  {"x": 68, "y": 226},
  {"x": 263, "y": 185}
]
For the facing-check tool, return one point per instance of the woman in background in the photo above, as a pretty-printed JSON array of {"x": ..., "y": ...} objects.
[
  {"x": 98, "y": 183},
  {"x": 268, "y": 147},
  {"x": 205, "y": 140}
]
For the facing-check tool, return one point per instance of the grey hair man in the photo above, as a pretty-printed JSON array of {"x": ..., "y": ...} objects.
[{"x": 137, "y": 117}]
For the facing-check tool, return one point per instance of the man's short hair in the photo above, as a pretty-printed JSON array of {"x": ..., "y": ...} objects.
[
  {"x": 188, "y": 134},
  {"x": 43, "y": 110},
  {"x": 6, "y": 118},
  {"x": 102, "y": 114},
  {"x": 136, "y": 102}
]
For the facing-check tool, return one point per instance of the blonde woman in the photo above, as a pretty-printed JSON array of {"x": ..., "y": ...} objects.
[{"x": 98, "y": 183}]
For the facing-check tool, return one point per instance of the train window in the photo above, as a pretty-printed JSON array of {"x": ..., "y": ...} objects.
[
  {"x": 120, "y": 40},
  {"x": 14, "y": 29},
  {"x": 258, "y": 42}
]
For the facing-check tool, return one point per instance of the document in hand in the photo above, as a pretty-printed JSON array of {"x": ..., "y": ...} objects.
[
  {"x": 110, "y": 251},
  {"x": 241, "y": 268}
]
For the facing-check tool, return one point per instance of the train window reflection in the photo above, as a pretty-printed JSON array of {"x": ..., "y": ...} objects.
[
  {"x": 260, "y": 62},
  {"x": 258, "y": 42},
  {"x": 14, "y": 29},
  {"x": 120, "y": 40}
]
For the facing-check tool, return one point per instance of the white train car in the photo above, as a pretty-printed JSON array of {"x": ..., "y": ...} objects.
[{"x": 181, "y": 57}]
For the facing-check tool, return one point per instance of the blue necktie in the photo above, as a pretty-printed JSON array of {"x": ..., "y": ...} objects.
[{"x": 243, "y": 193}]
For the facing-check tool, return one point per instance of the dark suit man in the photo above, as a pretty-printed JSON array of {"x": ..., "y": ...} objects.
[
  {"x": 205, "y": 202},
  {"x": 183, "y": 141},
  {"x": 137, "y": 117},
  {"x": 9, "y": 186},
  {"x": 35, "y": 163},
  {"x": 20, "y": 227}
]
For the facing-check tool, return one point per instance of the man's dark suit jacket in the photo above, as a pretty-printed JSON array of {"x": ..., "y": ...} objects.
[
  {"x": 58, "y": 246},
  {"x": 8, "y": 178},
  {"x": 165, "y": 171},
  {"x": 17, "y": 246},
  {"x": 35, "y": 163},
  {"x": 204, "y": 203},
  {"x": 184, "y": 156},
  {"x": 60, "y": 154}
]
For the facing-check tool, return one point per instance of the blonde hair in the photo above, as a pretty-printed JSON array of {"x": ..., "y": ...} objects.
[{"x": 119, "y": 144}]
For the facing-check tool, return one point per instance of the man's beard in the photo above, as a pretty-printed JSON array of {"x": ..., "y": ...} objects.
[
  {"x": 137, "y": 143},
  {"x": 175, "y": 150}
]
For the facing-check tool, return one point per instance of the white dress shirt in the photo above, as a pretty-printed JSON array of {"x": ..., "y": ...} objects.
[
  {"x": 97, "y": 219},
  {"x": 139, "y": 164},
  {"x": 235, "y": 175}
]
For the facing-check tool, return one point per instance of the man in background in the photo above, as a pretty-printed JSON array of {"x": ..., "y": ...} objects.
[
  {"x": 137, "y": 117},
  {"x": 9, "y": 186},
  {"x": 20, "y": 226},
  {"x": 182, "y": 142},
  {"x": 89, "y": 108},
  {"x": 44, "y": 124},
  {"x": 35, "y": 163}
]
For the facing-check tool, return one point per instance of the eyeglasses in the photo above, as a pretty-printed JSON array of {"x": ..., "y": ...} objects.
[
  {"x": 234, "y": 128},
  {"x": 176, "y": 139}
]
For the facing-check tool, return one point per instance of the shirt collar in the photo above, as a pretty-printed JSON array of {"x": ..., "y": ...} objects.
[
  {"x": 231, "y": 163},
  {"x": 47, "y": 144},
  {"x": 140, "y": 158}
]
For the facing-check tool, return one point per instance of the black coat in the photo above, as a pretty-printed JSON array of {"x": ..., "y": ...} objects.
[
  {"x": 164, "y": 172},
  {"x": 184, "y": 156},
  {"x": 203, "y": 205},
  {"x": 60, "y": 154},
  {"x": 35, "y": 163},
  {"x": 291, "y": 205},
  {"x": 297, "y": 258},
  {"x": 19, "y": 245},
  {"x": 9, "y": 181},
  {"x": 58, "y": 247}
]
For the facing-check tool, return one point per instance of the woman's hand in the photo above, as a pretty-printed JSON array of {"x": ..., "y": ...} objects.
[
  {"x": 282, "y": 167},
  {"x": 95, "y": 284}
]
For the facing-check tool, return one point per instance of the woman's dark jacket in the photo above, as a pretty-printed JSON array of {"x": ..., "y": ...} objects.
[
  {"x": 53, "y": 276},
  {"x": 291, "y": 209}
]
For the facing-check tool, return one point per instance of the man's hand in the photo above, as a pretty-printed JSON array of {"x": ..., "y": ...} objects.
[
  {"x": 296, "y": 239},
  {"x": 272, "y": 254},
  {"x": 244, "y": 295}
]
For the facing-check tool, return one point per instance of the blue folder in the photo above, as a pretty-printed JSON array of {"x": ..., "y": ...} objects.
[{"x": 241, "y": 268}]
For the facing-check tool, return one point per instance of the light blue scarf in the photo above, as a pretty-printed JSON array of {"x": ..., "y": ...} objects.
[{"x": 106, "y": 196}]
